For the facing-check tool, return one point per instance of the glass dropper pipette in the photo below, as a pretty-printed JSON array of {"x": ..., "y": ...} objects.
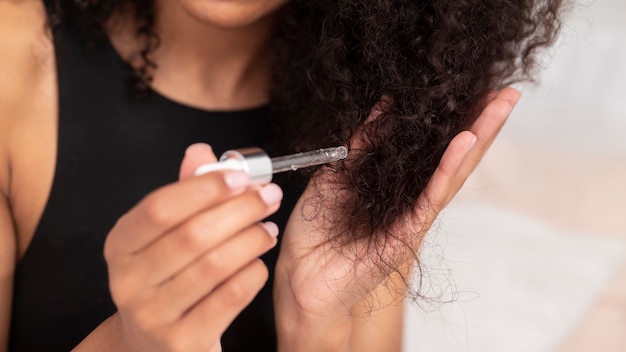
[{"x": 260, "y": 167}]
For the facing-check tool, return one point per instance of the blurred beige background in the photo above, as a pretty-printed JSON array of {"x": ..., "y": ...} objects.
[{"x": 532, "y": 253}]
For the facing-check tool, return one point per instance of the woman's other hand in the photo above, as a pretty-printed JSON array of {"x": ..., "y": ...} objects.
[
  {"x": 184, "y": 262},
  {"x": 317, "y": 286}
]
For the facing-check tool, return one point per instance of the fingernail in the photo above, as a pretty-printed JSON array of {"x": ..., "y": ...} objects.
[
  {"x": 236, "y": 179},
  {"x": 271, "y": 194},
  {"x": 198, "y": 146},
  {"x": 271, "y": 228},
  {"x": 511, "y": 106},
  {"x": 470, "y": 145}
]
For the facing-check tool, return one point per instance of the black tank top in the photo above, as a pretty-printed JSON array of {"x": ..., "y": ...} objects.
[{"x": 112, "y": 151}]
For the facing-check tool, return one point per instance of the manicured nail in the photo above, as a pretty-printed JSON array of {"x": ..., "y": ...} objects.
[
  {"x": 470, "y": 145},
  {"x": 236, "y": 179},
  {"x": 271, "y": 194},
  {"x": 271, "y": 228},
  {"x": 204, "y": 146},
  {"x": 511, "y": 106}
]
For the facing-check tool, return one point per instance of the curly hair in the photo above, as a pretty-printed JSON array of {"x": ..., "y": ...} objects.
[{"x": 432, "y": 62}]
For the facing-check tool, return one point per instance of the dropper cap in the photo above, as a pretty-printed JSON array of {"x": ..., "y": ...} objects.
[{"x": 254, "y": 161}]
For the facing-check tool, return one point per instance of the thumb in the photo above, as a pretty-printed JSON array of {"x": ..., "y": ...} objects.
[{"x": 195, "y": 155}]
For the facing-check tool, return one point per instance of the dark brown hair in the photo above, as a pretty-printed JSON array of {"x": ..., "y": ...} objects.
[{"x": 433, "y": 62}]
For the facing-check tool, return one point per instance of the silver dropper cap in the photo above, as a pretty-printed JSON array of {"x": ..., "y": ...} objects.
[{"x": 254, "y": 161}]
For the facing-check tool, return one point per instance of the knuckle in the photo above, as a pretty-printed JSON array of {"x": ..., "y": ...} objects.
[
  {"x": 124, "y": 290},
  {"x": 240, "y": 291},
  {"x": 193, "y": 236},
  {"x": 252, "y": 204},
  {"x": 215, "y": 188},
  {"x": 213, "y": 264},
  {"x": 119, "y": 295},
  {"x": 144, "y": 318},
  {"x": 236, "y": 294},
  {"x": 156, "y": 211}
]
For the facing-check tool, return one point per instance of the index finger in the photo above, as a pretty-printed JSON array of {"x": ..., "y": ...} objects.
[
  {"x": 461, "y": 158},
  {"x": 487, "y": 127},
  {"x": 171, "y": 205}
]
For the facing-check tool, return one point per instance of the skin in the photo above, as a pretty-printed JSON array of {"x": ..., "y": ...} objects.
[
  {"x": 226, "y": 69},
  {"x": 324, "y": 289}
]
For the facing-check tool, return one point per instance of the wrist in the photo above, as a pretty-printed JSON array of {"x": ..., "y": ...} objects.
[{"x": 299, "y": 333}]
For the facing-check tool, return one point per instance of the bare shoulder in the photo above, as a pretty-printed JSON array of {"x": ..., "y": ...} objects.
[
  {"x": 25, "y": 44},
  {"x": 27, "y": 98},
  {"x": 26, "y": 68},
  {"x": 23, "y": 28}
]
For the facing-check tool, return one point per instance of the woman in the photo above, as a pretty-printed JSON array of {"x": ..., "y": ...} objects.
[{"x": 89, "y": 167}]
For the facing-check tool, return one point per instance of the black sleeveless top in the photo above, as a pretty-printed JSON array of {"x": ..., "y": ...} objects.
[{"x": 112, "y": 151}]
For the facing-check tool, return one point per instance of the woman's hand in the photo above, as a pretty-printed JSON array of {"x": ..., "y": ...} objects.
[
  {"x": 316, "y": 285},
  {"x": 183, "y": 262}
]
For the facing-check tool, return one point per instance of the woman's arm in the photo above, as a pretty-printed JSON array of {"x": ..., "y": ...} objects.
[
  {"x": 377, "y": 321},
  {"x": 23, "y": 41},
  {"x": 8, "y": 250}
]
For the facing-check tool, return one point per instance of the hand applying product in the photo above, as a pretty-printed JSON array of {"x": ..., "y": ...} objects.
[{"x": 260, "y": 167}]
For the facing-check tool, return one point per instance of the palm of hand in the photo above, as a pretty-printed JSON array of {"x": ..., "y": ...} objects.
[
  {"x": 322, "y": 276},
  {"x": 324, "y": 281}
]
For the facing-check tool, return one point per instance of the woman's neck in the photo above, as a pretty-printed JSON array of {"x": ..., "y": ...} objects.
[{"x": 200, "y": 64}]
